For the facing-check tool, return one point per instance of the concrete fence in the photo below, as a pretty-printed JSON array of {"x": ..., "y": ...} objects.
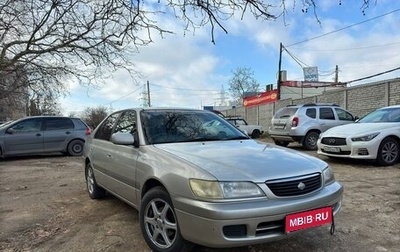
[{"x": 359, "y": 100}]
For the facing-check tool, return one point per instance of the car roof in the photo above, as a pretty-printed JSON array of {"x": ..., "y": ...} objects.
[
  {"x": 389, "y": 107},
  {"x": 162, "y": 108},
  {"x": 313, "y": 105}
]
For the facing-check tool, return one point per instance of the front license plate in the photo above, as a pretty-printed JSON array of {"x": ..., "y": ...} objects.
[
  {"x": 332, "y": 149},
  {"x": 308, "y": 219}
]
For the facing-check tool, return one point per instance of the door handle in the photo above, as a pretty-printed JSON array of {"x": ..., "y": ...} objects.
[{"x": 38, "y": 134}]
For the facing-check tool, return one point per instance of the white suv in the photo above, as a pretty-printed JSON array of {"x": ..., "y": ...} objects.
[
  {"x": 303, "y": 123},
  {"x": 255, "y": 131}
]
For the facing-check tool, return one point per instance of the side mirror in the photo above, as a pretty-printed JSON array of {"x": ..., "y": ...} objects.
[
  {"x": 10, "y": 131},
  {"x": 356, "y": 118},
  {"x": 122, "y": 139}
]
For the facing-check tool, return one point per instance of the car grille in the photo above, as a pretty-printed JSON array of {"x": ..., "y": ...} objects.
[
  {"x": 295, "y": 186},
  {"x": 333, "y": 141},
  {"x": 336, "y": 153}
]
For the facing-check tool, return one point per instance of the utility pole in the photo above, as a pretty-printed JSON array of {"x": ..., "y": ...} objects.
[
  {"x": 148, "y": 94},
  {"x": 337, "y": 74},
  {"x": 278, "y": 85}
]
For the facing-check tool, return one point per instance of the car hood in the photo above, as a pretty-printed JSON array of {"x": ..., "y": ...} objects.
[
  {"x": 356, "y": 129},
  {"x": 245, "y": 160}
]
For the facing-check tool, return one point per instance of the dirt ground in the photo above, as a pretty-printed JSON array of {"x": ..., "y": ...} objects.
[{"x": 44, "y": 206}]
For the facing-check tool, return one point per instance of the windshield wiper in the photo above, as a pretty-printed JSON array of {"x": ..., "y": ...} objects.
[
  {"x": 237, "y": 138},
  {"x": 200, "y": 139}
]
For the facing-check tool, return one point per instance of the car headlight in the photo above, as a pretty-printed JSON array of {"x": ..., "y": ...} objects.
[
  {"x": 328, "y": 176},
  {"x": 365, "y": 138},
  {"x": 224, "y": 190}
]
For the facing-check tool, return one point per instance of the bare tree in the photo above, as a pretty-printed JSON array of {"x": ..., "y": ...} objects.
[
  {"x": 93, "y": 116},
  {"x": 242, "y": 83},
  {"x": 55, "y": 40}
]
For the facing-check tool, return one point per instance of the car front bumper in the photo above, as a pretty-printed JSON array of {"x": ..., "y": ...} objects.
[
  {"x": 234, "y": 224},
  {"x": 355, "y": 150}
]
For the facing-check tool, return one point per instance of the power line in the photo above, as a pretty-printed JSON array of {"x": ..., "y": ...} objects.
[
  {"x": 344, "y": 28},
  {"x": 374, "y": 75},
  {"x": 346, "y": 49},
  {"x": 187, "y": 89},
  {"x": 297, "y": 60},
  {"x": 125, "y": 95}
]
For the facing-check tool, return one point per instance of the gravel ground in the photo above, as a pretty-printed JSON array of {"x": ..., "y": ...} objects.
[{"x": 44, "y": 206}]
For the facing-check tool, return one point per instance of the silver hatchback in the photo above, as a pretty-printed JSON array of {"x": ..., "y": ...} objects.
[
  {"x": 191, "y": 172},
  {"x": 43, "y": 134}
]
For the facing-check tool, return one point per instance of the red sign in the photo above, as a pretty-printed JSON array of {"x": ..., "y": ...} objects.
[
  {"x": 308, "y": 219},
  {"x": 263, "y": 98}
]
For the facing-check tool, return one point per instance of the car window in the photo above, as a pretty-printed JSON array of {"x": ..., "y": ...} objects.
[
  {"x": 126, "y": 123},
  {"x": 105, "y": 129},
  {"x": 326, "y": 114},
  {"x": 311, "y": 112},
  {"x": 344, "y": 115},
  {"x": 285, "y": 112},
  {"x": 28, "y": 125},
  {"x": 240, "y": 122},
  {"x": 58, "y": 124}
]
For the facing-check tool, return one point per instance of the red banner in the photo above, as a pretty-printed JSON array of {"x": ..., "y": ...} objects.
[{"x": 263, "y": 98}]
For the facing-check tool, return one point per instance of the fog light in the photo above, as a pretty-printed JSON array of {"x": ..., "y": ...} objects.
[{"x": 362, "y": 152}]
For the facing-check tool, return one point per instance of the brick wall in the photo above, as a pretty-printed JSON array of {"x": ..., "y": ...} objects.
[{"x": 359, "y": 100}]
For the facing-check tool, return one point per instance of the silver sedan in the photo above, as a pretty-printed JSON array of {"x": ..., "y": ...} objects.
[{"x": 191, "y": 172}]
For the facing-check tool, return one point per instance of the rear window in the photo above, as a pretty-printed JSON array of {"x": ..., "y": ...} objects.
[
  {"x": 311, "y": 112},
  {"x": 285, "y": 112}
]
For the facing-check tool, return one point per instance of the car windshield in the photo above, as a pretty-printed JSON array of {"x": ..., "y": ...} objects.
[
  {"x": 382, "y": 115},
  {"x": 171, "y": 126}
]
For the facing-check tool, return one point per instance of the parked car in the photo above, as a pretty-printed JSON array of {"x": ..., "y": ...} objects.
[
  {"x": 191, "y": 172},
  {"x": 255, "y": 131},
  {"x": 303, "y": 123},
  {"x": 376, "y": 136},
  {"x": 43, "y": 134}
]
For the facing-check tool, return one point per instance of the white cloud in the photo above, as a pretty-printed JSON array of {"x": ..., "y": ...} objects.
[{"x": 188, "y": 70}]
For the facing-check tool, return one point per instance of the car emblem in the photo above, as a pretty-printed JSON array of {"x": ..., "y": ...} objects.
[
  {"x": 332, "y": 141},
  {"x": 301, "y": 186}
]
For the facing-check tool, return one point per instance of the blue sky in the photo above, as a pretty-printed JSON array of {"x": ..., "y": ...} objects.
[{"x": 187, "y": 70}]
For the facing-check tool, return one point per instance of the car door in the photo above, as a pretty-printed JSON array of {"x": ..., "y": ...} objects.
[
  {"x": 327, "y": 118},
  {"x": 24, "y": 137},
  {"x": 114, "y": 165},
  {"x": 122, "y": 159},
  {"x": 57, "y": 133}
]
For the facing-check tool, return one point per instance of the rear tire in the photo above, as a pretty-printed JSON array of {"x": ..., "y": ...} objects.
[
  {"x": 281, "y": 143},
  {"x": 310, "y": 140},
  {"x": 388, "y": 152},
  {"x": 95, "y": 192},
  {"x": 75, "y": 147},
  {"x": 255, "y": 134}
]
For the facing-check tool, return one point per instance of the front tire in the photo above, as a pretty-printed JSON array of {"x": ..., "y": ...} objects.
[
  {"x": 310, "y": 140},
  {"x": 159, "y": 224},
  {"x": 95, "y": 192},
  {"x": 388, "y": 152}
]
